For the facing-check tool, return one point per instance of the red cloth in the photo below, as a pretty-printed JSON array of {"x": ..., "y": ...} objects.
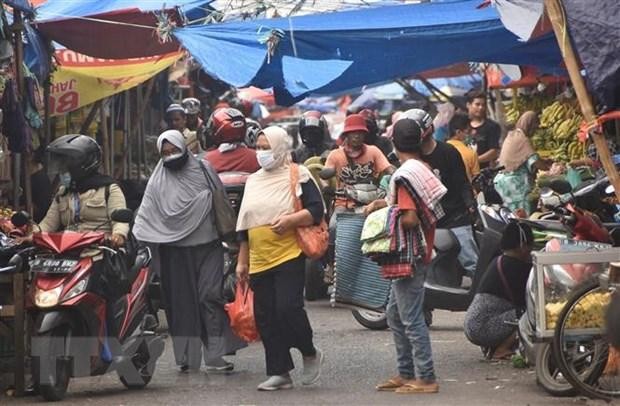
[{"x": 241, "y": 159}]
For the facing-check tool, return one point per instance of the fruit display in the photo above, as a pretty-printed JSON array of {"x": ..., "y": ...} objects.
[
  {"x": 559, "y": 123},
  {"x": 589, "y": 312}
]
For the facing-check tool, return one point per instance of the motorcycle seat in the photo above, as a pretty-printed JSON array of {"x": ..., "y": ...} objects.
[{"x": 445, "y": 240}]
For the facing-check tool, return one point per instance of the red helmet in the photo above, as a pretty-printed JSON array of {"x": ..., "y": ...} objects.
[
  {"x": 227, "y": 125},
  {"x": 312, "y": 120}
]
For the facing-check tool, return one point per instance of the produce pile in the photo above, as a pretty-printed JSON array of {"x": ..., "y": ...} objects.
[
  {"x": 559, "y": 123},
  {"x": 588, "y": 313}
]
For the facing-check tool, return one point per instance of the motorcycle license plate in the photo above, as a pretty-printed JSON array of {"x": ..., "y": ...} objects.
[{"x": 53, "y": 265}]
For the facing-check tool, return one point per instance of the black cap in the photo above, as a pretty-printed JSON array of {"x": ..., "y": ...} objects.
[{"x": 407, "y": 135}]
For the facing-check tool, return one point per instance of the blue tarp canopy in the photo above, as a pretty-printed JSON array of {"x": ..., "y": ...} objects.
[
  {"x": 331, "y": 52},
  {"x": 115, "y": 29}
]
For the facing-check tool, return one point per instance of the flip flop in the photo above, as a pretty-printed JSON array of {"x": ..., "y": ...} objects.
[
  {"x": 418, "y": 388},
  {"x": 390, "y": 385}
]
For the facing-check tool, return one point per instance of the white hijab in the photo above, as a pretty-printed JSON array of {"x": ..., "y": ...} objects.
[
  {"x": 176, "y": 202},
  {"x": 267, "y": 194}
]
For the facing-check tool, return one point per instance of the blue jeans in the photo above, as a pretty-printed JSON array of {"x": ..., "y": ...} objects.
[
  {"x": 406, "y": 320},
  {"x": 468, "y": 256}
]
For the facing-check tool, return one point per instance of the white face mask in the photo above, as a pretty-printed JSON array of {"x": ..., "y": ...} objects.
[
  {"x": 172, "y": 157},
  {"x": 266, "y": 159},
  {"x": 65, "y": 179}
]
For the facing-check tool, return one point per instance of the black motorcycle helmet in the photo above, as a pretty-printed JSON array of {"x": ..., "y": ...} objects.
[
  {"x": 77, "y": 154},
  {"x": 312, "y": 128}
]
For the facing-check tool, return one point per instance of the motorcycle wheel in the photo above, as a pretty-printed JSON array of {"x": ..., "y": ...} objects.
[
  {"x": 315, "y": 287},
  {"x": 370, "y": 319},
  {"x": 142, "y": 362},
  {"x": 548, "y": 375},
  {"x": 52, "y": 361}
]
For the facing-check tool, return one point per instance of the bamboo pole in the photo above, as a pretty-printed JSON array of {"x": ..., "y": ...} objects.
[
  {"x": 90, "y": 117},
  {"x": 556, "y": 14}
]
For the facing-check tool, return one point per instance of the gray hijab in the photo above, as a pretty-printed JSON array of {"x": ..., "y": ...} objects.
[{"x": 176, "y": 202}]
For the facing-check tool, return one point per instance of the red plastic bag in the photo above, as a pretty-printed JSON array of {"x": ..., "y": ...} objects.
[{"x": 241, "y": 314}]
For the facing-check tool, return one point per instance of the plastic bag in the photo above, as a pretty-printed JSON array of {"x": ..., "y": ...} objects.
[{"x": 241, "y": 314}]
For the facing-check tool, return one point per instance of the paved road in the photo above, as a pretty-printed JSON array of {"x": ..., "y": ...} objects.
[{"x": 356, "y": 359}]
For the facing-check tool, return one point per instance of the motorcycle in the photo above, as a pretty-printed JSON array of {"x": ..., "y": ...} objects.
[
  {"x": 444, "y": 285},
  {"x": 90, "y": 317}
]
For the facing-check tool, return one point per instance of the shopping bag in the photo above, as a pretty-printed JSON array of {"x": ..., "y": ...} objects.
[{"x": 241, "y": 314}]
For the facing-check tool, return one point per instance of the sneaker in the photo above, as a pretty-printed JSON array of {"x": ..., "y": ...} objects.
[
  {"x": 219, "y": 365},
  {"x": 276, "y": 382},
  {"x": 312, "y": 368}
]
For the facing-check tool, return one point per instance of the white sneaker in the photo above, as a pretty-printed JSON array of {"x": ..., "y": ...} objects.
[
  {"x": 276, "y": 382},
  {"x": 312, "y": 368}
]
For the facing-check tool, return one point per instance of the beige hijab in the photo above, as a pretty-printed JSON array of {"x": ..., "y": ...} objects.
[
  {"x": 517, "y": 147},
  {"x": 267, "y": 194}
]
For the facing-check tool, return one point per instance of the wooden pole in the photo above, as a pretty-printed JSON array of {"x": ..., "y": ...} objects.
[
  {"x": 556, "y": 14},
  {"x": 90, "y": 117},
  {"x": 103, "y": 121}
]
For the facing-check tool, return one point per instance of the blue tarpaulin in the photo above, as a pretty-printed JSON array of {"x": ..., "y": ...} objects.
[{"x": 331, "y": 52}]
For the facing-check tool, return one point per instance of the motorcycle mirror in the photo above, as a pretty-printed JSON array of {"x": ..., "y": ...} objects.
[
  {"x": 327, "y": 173},
  {"x": 610, "y": 190},
  {"x": 20, "y": 219},
  {"x": 122, "y": 216}
]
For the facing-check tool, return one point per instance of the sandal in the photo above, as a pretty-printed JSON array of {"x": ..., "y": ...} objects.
[
  {"x": 391, "y": 384},
  {"x": 419, "y": 386}
]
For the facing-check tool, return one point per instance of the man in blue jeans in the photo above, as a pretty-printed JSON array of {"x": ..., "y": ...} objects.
[{"x": 405, "y": 316}]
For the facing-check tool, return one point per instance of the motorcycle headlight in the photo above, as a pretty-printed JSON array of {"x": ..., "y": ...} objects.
[
  {"x": 79, "y": 288},
  {"x": 47, "y": 298}
]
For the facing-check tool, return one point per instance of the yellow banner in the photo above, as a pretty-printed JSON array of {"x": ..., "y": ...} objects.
[{"x": 81, "y": 80}]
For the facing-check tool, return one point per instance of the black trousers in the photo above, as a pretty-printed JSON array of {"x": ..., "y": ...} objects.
[{"x": 280, "y": 316}]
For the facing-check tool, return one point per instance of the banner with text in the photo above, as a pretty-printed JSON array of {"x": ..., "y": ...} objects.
[{"x": 81, "y": 80}]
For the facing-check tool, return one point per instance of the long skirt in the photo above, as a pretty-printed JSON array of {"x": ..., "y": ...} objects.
[
  {"x": 191, "y": 280},
  {"x": 489, "y": 320}
]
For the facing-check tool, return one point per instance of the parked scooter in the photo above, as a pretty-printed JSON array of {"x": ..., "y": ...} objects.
[{"x": 90, "y": 318}]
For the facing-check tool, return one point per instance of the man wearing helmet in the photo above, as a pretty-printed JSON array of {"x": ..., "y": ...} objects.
[
  {"x": 85, "y": 199},
  {"x": 458, "y": 203},
  {"x": 194, "y": 122},
  {"x": 176, "y": 118},
  {"x": 314, "y": 136},
  {"x": 227, "y": 128}
]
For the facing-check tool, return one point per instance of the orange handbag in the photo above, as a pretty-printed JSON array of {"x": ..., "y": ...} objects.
[{"x": 313, "y": 240}]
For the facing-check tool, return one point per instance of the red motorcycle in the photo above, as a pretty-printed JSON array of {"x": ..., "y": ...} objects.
[{"x": 91, "y": 309}]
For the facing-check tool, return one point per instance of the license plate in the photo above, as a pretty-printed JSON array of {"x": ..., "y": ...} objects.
[{"x": 53, "y": 265}]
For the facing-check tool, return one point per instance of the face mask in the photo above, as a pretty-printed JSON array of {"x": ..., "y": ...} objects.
[
  {"x": 175, "y": 161},
  {"x": 65, "y": 179},
  {"x": 266, "y": 160}
]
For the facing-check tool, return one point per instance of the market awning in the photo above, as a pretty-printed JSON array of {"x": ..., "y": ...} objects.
[
  {"x": 593, "y": 28},
  {"x": 331, "y": 52},
  {"x": 117, "y": 29}
]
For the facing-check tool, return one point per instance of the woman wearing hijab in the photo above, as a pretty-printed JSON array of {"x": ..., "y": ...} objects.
[
  {"x": 177, "y": 213},
  {"x": 520, "y": 163},
  {"x": 271, "y": 259}
]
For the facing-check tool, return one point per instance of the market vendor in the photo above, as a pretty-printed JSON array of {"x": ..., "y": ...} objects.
[
  {"x": 520, "y": 163},
  {"x": 485, "y": 132},
  {"x": 592, "y": 158}
]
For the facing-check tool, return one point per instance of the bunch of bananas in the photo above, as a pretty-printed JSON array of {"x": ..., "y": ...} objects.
[
  {"x": 589, "y": 312},
  {"x": 523, "y": 103}
]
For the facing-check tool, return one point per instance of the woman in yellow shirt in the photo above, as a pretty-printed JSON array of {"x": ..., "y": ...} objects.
[{"x": 272, "y": 261}]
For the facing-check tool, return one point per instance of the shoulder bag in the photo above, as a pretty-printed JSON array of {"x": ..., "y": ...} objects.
[{"x": 313, "y": 240}]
